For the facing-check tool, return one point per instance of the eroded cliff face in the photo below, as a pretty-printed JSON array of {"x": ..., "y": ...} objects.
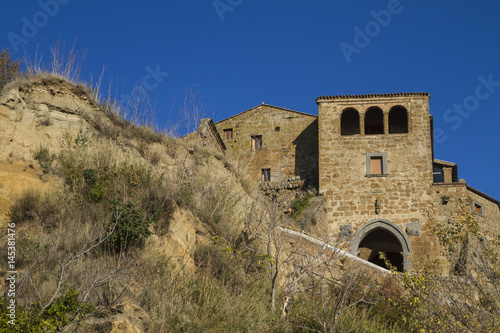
[
  {"x": 52, "y": 113},
  {"x": 35, "y": 113},
  {"x": 41, "y": 112}
]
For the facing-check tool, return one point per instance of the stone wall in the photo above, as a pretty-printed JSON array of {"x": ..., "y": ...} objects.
[
  {"x": 289, "y": 142},
  {"x": 385, "y": 208},
  {"x": 446, "y": 203},
  {"x": 205, "y": 136},
  {"x": 402, "y": 191}
]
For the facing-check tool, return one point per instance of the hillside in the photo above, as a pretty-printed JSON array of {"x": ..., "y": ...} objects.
[{"x": 53, "y": 136}]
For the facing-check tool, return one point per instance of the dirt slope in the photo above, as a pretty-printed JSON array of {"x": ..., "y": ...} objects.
[{"x": 52, "y": 113}]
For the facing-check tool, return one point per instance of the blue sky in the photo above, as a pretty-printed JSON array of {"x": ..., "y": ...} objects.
[{"x": 239, "y": 53}]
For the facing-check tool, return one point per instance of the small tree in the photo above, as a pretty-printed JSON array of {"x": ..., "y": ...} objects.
[
  {"x": 9, "y": 69},
  {"x": 467, "y": 297},
  {"x": 264, "y": 230}
]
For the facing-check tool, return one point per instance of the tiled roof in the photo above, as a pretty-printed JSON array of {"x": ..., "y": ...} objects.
[{"x": 373, "y": 95}]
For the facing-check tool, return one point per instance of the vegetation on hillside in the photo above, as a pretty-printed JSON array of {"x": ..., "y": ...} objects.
[
  {"x": 83, "y": 248},
  {"x": 459, "y": 291},
  {"x": 9, "y": 68},
  {"x": 300, "y": 204}
]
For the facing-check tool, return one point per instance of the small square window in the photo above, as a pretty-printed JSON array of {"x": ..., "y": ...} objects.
[
  {"x": 266, "y": 175},
  {"x": 376, "y": 164},
  {"x": 478, "y": 208},
  {"x": 228, "y": 134},
  {"x": 256, "y": 142}
]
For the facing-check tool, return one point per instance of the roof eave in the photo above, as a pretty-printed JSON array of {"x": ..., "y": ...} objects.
[{"x": 329, "y": 98}]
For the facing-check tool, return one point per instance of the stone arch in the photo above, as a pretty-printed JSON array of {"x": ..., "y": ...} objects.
[
  {"x": 398, "y": 120},
  {"x": 384, "y": 236},
  {"x": 349, "y": 122},
  {"x": 374, "y": 120}
]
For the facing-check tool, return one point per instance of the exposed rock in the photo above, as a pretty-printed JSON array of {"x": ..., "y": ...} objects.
[
  {"x": 186, "y": 232},
  {"x": 43, "y": 113}
]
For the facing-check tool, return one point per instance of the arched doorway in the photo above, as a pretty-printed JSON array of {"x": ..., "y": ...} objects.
[{"x": 382, "y": 236}]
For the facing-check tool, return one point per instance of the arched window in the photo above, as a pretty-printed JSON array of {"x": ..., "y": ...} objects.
[
  {"x": 349, "y": 122},
  {"x": 374, "y": 121},
  {"x": 398, "y": 120}
]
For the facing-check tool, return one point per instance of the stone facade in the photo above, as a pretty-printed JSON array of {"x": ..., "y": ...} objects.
[
  {"x": 372, "y": 157},
  {"x": 285, "y": 143},
  {"x": 401, "y": 190},
  {"x": 376, "y": 170}
]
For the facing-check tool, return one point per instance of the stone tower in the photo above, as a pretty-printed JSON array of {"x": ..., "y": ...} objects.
[{"x": 375, "y": 170}]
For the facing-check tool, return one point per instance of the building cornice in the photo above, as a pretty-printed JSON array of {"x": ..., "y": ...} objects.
[{"x": 336, "y": 97}]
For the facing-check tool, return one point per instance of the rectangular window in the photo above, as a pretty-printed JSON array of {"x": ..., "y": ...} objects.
[
  {"x": 266, "y": 175},
  {"x": 376, "y": 164},
  {"x": 438, "y": 174},
  {"x": 256, "y": 142},
  {"x": 478, "y": 208},
  {"x": 228, "y": 134}
]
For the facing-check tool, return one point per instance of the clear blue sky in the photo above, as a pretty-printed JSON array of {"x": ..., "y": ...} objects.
[{"x": 239, "y": 53}]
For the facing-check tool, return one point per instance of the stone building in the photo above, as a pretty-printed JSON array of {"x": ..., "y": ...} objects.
[
  {"x": 277, "y": 144},
  {"x": 380, "y": 178},
  {"x": 372, "y": 157}
]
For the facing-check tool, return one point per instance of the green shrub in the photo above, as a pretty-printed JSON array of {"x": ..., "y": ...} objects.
[
  {"x": 131, "y": 226},
  {"x": 98, "y": 185},
  {"x": 58, "y": 315},
  {"x": 300, "y": 205}
]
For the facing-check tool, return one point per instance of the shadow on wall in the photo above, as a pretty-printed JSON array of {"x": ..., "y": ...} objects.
[{"x": 307, "y": 154}]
